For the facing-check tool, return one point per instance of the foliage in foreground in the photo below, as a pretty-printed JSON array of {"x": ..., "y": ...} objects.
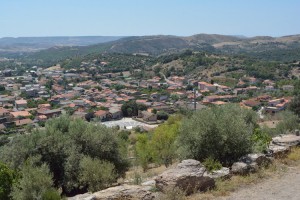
[
  {"x": 7, "y": 178},
  {"x": 65, "y": 147},
  {"x": 221, "y": 133},
  {"x": 159, "y": 146},
  {"x": 35, "y": 183}
]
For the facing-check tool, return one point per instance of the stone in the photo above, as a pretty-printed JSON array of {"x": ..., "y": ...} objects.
[
  {"x": 149, "y": 183},
  {"x": 242, "y": 168},
  {"x": 86, "y": 196},
  {"x": 278, "y": 151},
  {"x": 250, "y": 163},
  {"x": 258, "y": 158},
  {"x": 189, "y": 175},
  {"x": 125, "y": 192},
  {"x": 286, "y": 140},
  {"x": 223, "y": 173}
]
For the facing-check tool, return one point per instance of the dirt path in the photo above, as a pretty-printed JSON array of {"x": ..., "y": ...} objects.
[{"x": 284, "y": 187}]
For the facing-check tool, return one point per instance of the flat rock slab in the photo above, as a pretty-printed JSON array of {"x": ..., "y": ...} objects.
[
  {"x": 126, "y": 192},
  {"x": 290, "y": 140}
]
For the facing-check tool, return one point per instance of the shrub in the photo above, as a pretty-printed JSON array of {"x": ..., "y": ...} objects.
[
  {"x": 212, "y": 164},
  {"x": 261, "y": 140},
  {"x": 137, "y": 179},
  {"x": 161, "y": 115},
  {"x": 223, "y": 133},
  {"x": 51, "y": 194},
  {"x": 163, "y": 141},
  {"x": 96, "y": 174},
  {"x": 7, "y": 178},
  {"x": 143, "y": 151},
  {"x": 35, "y": 182},
  {"x": 62, "y": 145}
]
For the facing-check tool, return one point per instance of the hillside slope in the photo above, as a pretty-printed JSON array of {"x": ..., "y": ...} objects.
[{"x": 284, "y": 48}]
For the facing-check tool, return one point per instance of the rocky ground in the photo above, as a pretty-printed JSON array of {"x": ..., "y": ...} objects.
[{"x": 280, "y": 187}]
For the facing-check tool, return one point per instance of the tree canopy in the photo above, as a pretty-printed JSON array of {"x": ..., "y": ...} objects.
[
  {"x": 62, "y": 146},
  {"x": 222, "y": 133}
]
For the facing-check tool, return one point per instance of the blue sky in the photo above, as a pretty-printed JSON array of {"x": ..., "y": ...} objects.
[{"x": 148, "y": 17}]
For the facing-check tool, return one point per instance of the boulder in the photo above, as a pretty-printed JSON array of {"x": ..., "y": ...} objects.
[
  {"x": 250, "y": 163},
  {"x": 189, "y": 175},
  {"x": 243, "y": 168},
  {"x": 286, "y": 140},
  {"x": 278, "y": 151},
  {"x": 125, "y": 192},
  {"x": 258, "y": 158},
  {"x": 223, "y": 173}
]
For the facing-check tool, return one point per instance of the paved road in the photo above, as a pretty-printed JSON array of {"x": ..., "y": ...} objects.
[
  {"x": 126, "y": 122},
  {"x": 285, "y": 187}
]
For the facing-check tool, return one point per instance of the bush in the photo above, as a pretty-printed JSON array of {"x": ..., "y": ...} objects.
[
  {"x": 7, "y": 178},
  {"x": 261, "y": 139},
  {"x": 212, "y": 164},
  {"x": 223, "y": 133},
  {"x": 97, "y": 174},
  {"x": 51, "y": 194},
  {"x": 35, "y": 182},
  {"x": 143, "y": 151},
  {"x": 161, "y": 115},
  {"x": 62, "y": 145},
  {"x": 163, "y": 141},
  {"x": 289, "y": 122}
]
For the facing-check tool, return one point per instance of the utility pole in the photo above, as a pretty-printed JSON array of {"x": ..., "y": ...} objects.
[{"x": 195, "y": 105}]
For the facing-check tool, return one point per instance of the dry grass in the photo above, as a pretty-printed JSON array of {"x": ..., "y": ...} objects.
[{"x": 294, "y": 155}]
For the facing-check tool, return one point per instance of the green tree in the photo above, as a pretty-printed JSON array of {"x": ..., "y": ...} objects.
[
  {"x": 163, "y": 141},
  {"x": 7, "y": 178},
  {"x": 222, "y": 133},
  {"x": 143, "y": 151},
  {"x": 96, "y": 174},
  {"x": 288, "y": 122},
  {"x": 295, "y": 105},
  {"x": 35, "y": 182},
  {"x": 62, "y": 144},
  {"x": 131, "y": 108},
  {"x": 2, "y": 88},
  {"x": 162, "y": 115}
]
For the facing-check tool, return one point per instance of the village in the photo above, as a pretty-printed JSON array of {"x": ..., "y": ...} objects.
[{"x": 29, "y": 100}]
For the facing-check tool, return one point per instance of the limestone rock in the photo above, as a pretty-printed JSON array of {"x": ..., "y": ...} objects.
[
  {"x": 126, "y": 192},
  {"x": 149, "y": 183},
  {"x": 286, "y": 140},
  {"x": 223, "y": 173},
  {"x": 86, "y": 196},
  {"x": 243, "y": 168},
  {"x": 189, "y": 175},
  {"x": 250, "y": 163},
  {"x": 258, "y": 158}
]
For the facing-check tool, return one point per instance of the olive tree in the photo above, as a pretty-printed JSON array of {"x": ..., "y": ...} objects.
[
  {"x": 222, "y": 133},
  {"x": 35, "y": 183},
  {"x": 97, "y": 174}
]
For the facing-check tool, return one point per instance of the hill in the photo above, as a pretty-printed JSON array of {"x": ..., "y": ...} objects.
[
  {"x": 285, "y": 48},
  {"x": 29, "y": 44}
]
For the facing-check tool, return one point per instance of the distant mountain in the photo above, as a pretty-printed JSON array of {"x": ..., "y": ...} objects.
[
  {"x": 29, "y": 44},
  {"x": 263, "y": 47}
]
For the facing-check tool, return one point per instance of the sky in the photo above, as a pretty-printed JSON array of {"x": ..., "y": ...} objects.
[{"x": 23, "y": 18}]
